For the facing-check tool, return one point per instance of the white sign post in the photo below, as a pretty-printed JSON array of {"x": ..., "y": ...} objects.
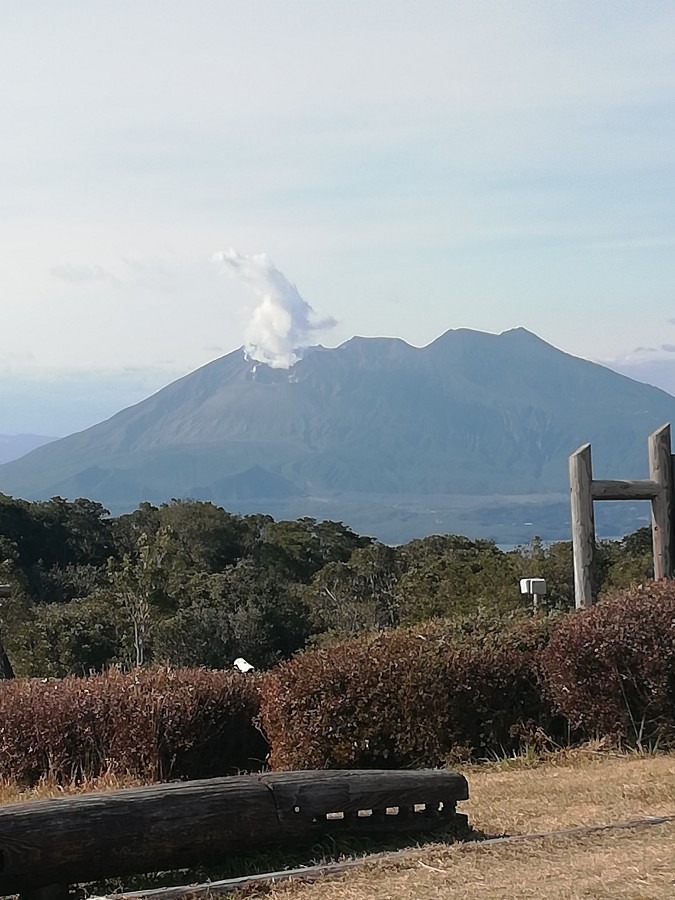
[{"x": 535, "y": 587}]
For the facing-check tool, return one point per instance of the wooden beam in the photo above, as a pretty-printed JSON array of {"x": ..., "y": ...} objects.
[
  {"x": 661, "y": 472},
  {"x": 607, "y": 489},
  {"x": 63, "y": 841},
  {"x": 583, "y": 525}
]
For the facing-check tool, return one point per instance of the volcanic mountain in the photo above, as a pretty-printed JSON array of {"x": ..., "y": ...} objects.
[{"x": 395, "y": 440}]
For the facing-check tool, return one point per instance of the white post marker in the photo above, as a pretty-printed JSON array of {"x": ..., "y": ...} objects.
[
  {"x": 535, "y": 587},
  {"x": 242, "y": 666}
]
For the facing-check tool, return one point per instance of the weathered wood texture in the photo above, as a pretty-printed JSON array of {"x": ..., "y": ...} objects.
[
  {"x": 659, "y": 488},
  {"x": 661, "y": 472},
  {"x": 608, "y": 489},
  {"x": 583, "y": 525},
  {"x": 84, "y": 838}
]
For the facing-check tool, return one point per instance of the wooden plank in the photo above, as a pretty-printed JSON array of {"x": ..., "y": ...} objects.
[
  {"x": 660, "y": 471},
  {"x": 583, "y": 525},
  {"x": 608, "y": 489},
  {"x": 92, "y": 836}
]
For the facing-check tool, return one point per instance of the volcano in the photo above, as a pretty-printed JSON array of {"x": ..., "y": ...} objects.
[{"x": 393, "y": 439}]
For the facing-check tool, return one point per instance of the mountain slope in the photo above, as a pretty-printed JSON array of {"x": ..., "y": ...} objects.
[{"x": 470, "y": 414}]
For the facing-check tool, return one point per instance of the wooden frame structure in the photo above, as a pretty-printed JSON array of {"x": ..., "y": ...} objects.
[{"x": 584, "y": 489}]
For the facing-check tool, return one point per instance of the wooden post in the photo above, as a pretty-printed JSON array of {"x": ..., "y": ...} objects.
[
  {"x": 672, "y": 521},
  {"x": 6, "y": 670},
  {"x": 659, "y": 489},
  {"x": 583, "y": 525},
  {"x": 661, "y": 472}
]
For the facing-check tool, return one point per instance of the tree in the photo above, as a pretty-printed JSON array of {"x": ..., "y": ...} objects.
[
  {"x": 6, "y": 670},
  {"x": 78, "y": 637},
  {"x": 139, "y": 582},
  {"x": 245, "y": 611},
  {"x": 629, "y": 561},
  {"x": 302, "y": 547},
  {"x": 346, "y": 598},
  {"x": 553, "y": 563},
  {"x": 207, "y": 537},
  {"x": 75, "y": 532},
  {"x": 451, "y": 576}
]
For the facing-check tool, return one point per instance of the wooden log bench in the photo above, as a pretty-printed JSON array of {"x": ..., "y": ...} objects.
[{"x": 48, "y": 845}]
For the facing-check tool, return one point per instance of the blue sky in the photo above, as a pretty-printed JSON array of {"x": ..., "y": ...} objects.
[{"x": 410, "y": 167}]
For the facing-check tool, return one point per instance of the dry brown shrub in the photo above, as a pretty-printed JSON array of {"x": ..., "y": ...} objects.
[
  {"x": 151, "y": 723},
  {"x": 404, "y": 698},
  {"x": 610, "y": 669}
]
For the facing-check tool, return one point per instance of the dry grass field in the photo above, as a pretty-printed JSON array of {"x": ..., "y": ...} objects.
[{"x": 569, "y": 790}]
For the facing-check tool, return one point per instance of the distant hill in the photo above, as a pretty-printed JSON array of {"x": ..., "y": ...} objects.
[
  {"x": 13, "y": 446},
  {"x": 470, "y": 433}
]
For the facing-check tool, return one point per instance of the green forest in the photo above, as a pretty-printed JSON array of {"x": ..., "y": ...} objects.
[{"x": 190, "y": 584}]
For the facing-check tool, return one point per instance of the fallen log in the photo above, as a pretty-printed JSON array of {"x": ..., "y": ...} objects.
[{"x": 47, "y": 845}]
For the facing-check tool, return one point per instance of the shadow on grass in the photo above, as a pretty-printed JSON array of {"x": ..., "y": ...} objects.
[{"x": 331, "y": 848}]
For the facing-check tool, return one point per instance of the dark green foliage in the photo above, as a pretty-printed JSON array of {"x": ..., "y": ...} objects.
[
  {"x": 188, "y": 583},
  {"x": 155, "y": 724},
  {"x": 347, "y": 597},
  {"x": 53, "y": 536},
  {"x": 553, "y": 562},
  {"x": 60, "y": 584},
  {"x": 76, "y": 638},
  {"x": 245, "y": 611},
  {"x": 611, "y": 669},
  {"x": 629, "y": 561},
  {"x": 301, "y": 548},
  {"x": 206, "y": 538},
  {"x": 452, "y": 576}
]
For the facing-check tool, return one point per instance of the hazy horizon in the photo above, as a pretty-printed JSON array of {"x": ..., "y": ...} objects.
[{"x": 184, "y": 180}]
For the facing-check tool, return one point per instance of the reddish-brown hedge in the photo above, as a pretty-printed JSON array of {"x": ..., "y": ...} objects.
[
  {"x": 152, "y": 723},
  {"x": 610, "y": 669},
  {"x": 403, "y": 698}
]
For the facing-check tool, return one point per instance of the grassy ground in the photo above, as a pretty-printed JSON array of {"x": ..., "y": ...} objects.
[
  {"x": 569, "y": 789},
  {"x": 623, "y": 866}
]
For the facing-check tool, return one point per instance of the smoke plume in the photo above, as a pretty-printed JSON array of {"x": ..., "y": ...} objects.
[{"x": 283, "y": 320}]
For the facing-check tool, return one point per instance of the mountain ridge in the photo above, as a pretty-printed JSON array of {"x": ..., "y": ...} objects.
[{"x": 470, "y": 414}]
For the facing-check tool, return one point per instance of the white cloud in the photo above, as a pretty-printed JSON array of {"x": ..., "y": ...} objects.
[
  {"x": 283, "y": 320},
  {"x": 83, "y": 274}
]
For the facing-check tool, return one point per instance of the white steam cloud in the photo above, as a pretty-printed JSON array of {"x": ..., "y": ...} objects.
[{"x": 283, "y": 320}]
